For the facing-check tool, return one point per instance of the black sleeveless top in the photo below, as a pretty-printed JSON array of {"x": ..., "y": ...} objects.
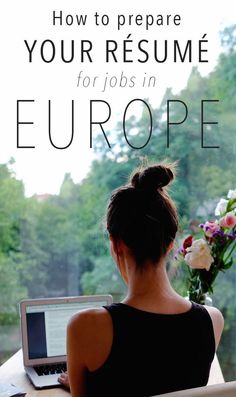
[{"x": 154, "y": 353}]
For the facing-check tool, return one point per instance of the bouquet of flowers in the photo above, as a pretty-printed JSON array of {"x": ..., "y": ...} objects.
[{"x": 213, "y": 253}]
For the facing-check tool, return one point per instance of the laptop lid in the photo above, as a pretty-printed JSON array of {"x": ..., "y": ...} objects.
[{"x": 44, "y": 323}]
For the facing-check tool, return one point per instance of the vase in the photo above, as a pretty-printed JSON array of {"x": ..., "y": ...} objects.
[
  {"x": 205, "y": 299},
  {"x": 208, "y": 299}
]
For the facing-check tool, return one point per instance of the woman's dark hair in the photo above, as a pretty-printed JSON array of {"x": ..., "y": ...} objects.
[{"x": 142, "y": 214}]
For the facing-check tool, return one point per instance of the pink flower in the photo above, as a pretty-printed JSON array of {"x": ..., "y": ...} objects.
[
  {"x": 228, "y": 221},
  {"x": 210, "y": 227}
]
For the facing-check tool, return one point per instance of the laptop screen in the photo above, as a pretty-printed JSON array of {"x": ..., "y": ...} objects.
[{"x": 46, "y": 326}]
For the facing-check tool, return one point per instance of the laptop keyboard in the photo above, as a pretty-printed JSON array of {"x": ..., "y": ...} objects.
[{"x": 50, "y": 369}]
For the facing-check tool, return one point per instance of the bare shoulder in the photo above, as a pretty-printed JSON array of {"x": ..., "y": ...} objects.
[
  {"x": 91, "y": 332},
  {"x": 217, "y": 321},
  {"x": 89, "y": 321},
  {"x": 216, "y": 315}
]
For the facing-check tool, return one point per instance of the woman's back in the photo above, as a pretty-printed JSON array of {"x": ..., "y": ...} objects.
[
  {"x": 127, "y": 349},
  {"x": 154, "y": 353}
]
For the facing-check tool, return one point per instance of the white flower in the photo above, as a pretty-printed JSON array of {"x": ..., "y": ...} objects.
[
  {"x": 199, "y": 255},
  {"x": 231, "y": 194},
  {"x": 221, "y": 206}
]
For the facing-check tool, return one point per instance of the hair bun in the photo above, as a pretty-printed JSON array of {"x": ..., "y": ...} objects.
[{"x": 152, "y": 178}]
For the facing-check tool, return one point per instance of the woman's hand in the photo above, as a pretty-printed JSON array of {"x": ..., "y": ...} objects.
[{"x": 64, "y": 380}]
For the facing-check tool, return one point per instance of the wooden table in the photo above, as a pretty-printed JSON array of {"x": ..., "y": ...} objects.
[{"x": 12, "y": 371}]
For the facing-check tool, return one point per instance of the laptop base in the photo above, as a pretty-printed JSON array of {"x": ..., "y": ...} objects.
[{"x": 42, "y": 382}]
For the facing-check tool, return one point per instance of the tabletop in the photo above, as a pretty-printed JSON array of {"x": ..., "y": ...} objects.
[{"x": 12, "y": 371}]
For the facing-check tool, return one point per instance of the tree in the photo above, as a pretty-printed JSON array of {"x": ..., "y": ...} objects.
[{"x": 11, "y": 210}]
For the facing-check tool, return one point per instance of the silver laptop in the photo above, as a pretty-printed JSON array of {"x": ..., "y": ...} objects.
[{"x": 43, "y": 329}]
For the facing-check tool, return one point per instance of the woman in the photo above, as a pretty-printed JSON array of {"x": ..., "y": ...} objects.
[{"x": 155, "y": 341}]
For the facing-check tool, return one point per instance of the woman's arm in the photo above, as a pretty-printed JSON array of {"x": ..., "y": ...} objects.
[
  {"x": 89, "y": 340},
  {"x": 76, "y": 353},
  {"x": 217, "y": 321}
]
